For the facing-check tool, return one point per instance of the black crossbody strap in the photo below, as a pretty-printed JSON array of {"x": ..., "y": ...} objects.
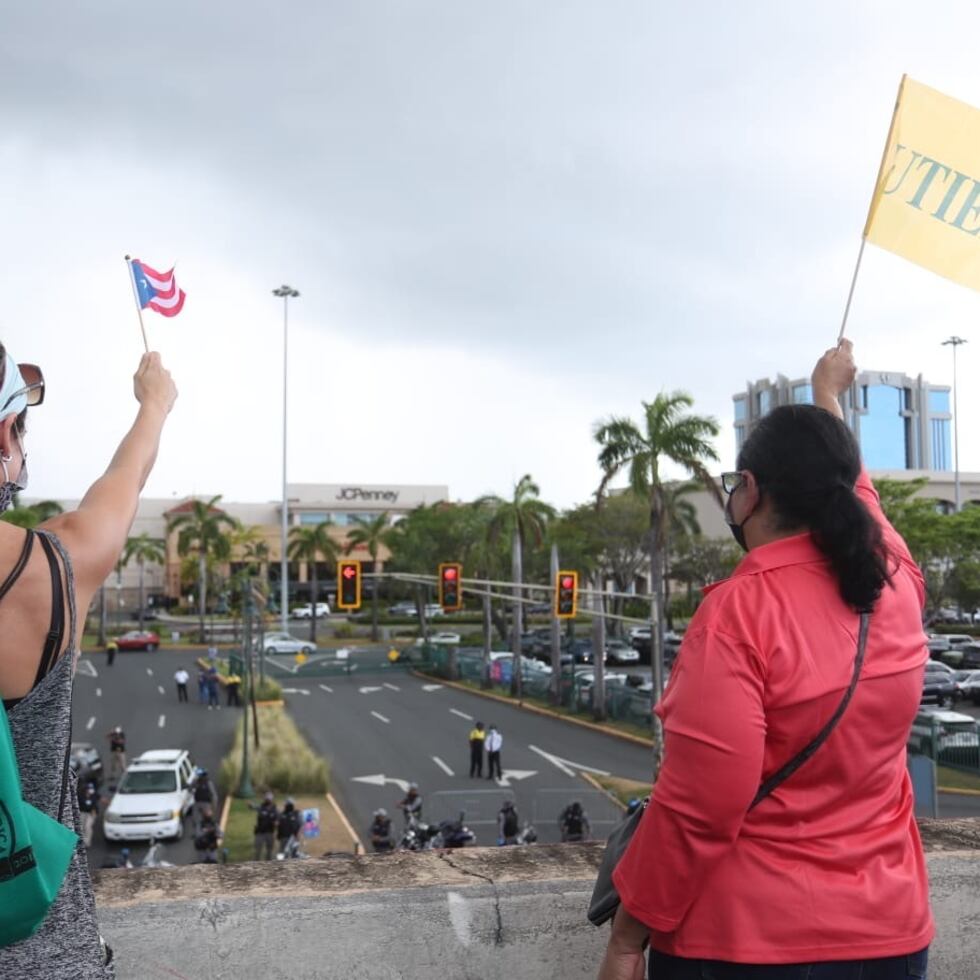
[{"x": 798, "y": 760}]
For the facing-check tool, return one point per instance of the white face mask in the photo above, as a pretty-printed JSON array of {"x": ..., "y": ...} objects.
[{"x": 9, "y": 487}]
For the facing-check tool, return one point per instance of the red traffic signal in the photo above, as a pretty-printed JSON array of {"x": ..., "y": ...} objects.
[
  {"x": 566, "y": 595},
  {"x": 348, "y": 584},
  {"x": 450, "y": 586}
]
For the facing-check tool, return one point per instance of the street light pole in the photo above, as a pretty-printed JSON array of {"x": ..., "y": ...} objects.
[
  {"x": 955, "y": 342},
  {"x": 287, "y": 293}
]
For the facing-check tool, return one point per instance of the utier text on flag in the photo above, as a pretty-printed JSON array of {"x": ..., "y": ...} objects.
[
  {"x": 926, "y": 203},
  {"x": 157, "y": 290}
]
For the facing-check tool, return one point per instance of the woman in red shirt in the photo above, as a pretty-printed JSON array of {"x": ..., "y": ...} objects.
[{"x": 825, "y": 878}]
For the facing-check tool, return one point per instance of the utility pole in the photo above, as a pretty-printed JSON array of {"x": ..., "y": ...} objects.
[
  {"x": 517, "y": 682},
  {"x": 555, "y": 632},
  {"x": 245, "y": 790},
  {"x": 287, "y": 293},
  {"x": 955, "y": 342},
  {"x": 598, "y": 656},
  {"x": 487, "y": 640}
]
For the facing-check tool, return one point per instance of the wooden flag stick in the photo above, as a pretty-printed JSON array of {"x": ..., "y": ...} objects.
[
  {"x": 136, "y": 297},
  {"x": 850, "y": 292}
]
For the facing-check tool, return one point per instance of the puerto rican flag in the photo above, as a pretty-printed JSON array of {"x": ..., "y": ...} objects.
[{"x": 157, "y": 290}]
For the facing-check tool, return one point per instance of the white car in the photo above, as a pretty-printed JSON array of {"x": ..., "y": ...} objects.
[
  {"x": 621, "y": 652},
  {"x": 306, "y": 612},
  {"x": 443, "y": 638},
  {"x": 152, "y": 798},
  {"x": 285, "y": 643}
]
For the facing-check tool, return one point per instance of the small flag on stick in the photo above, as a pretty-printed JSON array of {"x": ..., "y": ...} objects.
[{"x": 155, "y": 291}]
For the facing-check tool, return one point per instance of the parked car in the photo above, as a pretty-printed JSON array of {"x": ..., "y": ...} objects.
[
  {"x": 153, "y": 797},
  {"x": 138, "y": 640},
  {"x": 621, "y": 652},
  {"x": 938, "y": 685},
  {"x": 433, "y": 609},
  {"x": 85, "y": 762},
  {"x": 502, "y": 667},
  {"x": 403, "y": 609},
  {"x": 971, "y": 656},
  {"x": 443, "y": 638},
  {"x": 285, "y": 643},
  {"x": 306, "y": 612},
  {"x": 968, "y": 684}
]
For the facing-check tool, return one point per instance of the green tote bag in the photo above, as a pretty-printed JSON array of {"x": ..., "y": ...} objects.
[{"x": 35, "y": 850}]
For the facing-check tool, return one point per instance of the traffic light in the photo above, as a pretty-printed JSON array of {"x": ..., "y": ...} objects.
[
  {"x": 566, "y": 595},
  {"x": 451, "y": 586},
  {"x": 348, "y": 585}
]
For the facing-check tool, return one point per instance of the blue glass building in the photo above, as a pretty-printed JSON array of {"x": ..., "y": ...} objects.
[{"x": 901, "y": 423}]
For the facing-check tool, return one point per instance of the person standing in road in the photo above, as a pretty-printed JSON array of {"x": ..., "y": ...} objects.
[
  {"x": 477, "y": 737},
  {"x": 508, "y": 824},
  {"x": 290, "y": 822},
  {"x": 232, "y": 684},
  {"x": 88, "y": 808},
  {"x": 207, "y": 837},
  {"x": 380, "y": 832},
  {"x": 494, "y": 741},
  {"x": 411, "y": 805},
  {"x": 573, "y": 822},
  {"x": 205, "y": 795},
  {"x": 202, "y": 686},
  {"x": 212, "y": 684},
  {"x": 265, "y": 827},
  {"x": 111, "y": 649},
  {"x": 117, "y": 753},
  {"x": 181, "y": 677}
]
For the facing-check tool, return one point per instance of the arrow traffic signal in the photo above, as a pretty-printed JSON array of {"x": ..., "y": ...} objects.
[
  {"x": 348, "y": 584},
  {"x": 566, "y": 595},
  {"x": 451, "y": 586}
]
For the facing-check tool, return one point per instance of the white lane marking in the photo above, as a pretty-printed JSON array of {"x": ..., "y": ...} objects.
[
  {"x": 369, "y": 690},
  {"x": 295, "y": 690},
  {"x": 87, "y": 668},
  {"x": 392, "y": 687},
  {"x": 566, "y": 765},
  {"x": 460, "y": 714},
  {"x": 442, "y": 765},
  {"x": 382, "y": 780},
  {"x": 149, "y": 670},
  {"x": 98, "y": 692},
  {"x": 160, "y": 689},
  {"x": 381, "y": 717},
  {"x": 431, "y": 687},
  {"x": 90, "y": 724},
  {"x": 329, "y": 690},
  {"x": 162, "y": 721},
  {"x": 508, "y": 774}
]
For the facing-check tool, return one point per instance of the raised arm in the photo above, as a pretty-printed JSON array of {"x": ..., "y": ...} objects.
[{"x": 96, "y": 532}]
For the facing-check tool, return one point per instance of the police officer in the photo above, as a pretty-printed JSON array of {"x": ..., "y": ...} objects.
[
  {"x": 265, "y": 827},
  {"x": 477, "y": 736},
  {"x": 508, "y": 824},
  {"x": 380, "y": 832},
  {"x": 574, "y": 823},
  {"x": 117, "y": 753},
  {"x": 88, "y": 808},
  {"x": 290, "y": 822}
]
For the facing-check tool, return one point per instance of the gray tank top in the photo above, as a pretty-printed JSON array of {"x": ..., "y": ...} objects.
[{"x": 67, "y": 946}]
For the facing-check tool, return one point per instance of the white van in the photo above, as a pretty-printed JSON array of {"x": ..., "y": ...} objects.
[{"x": 153, "y": 797}]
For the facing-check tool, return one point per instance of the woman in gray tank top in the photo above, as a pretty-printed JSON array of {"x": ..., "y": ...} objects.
[{"x": 44, "y": 575}]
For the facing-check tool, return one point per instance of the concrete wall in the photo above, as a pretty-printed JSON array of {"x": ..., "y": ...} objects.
[{"x": 483, "y": 914}]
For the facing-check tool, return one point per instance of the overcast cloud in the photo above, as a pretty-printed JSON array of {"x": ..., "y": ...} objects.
[{"x": 506, "y": 222}]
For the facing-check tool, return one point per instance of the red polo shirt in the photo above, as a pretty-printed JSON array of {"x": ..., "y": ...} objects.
[{"x": 830, "y": 866}]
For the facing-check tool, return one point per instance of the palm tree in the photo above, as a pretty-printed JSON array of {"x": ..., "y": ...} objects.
[
  {"x": 682, "y": 522},
  {"x": 203, "y": 530},
  {"x": 371, "y": 535},
  {"x": 30, "y": 515},
  {"x": 668, "y": 434},
  {"x": 522, "y": 517},
  {"x": 310, "y": 543},
  {"x": 144, "y": 549}
]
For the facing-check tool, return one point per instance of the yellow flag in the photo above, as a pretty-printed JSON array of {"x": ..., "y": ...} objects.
[{"x": 926, "y": 204}]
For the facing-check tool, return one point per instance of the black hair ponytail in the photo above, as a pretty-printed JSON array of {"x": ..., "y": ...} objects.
[{"x": 807, "y": 461}]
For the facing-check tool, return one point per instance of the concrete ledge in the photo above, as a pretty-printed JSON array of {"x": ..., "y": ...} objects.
[{"x": 515, "y": 913}]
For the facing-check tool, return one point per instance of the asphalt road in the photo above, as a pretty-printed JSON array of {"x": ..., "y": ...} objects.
[{"x": 138, "y": 693}]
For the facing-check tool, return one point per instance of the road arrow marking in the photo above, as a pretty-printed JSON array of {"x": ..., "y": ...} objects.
[
  {"x": 382, "y": 780},
  {"x": 460, "y": 714},
  {"x": 515, "y": 774},
  {"x": 329, "y": 690},
  {"x": 162, "y": 721},
  {"x": 381, "y": 718},
  {"x": 90, "y": 724},
  {"x": 431, "y": 687},
  {"x": 392, "y": 687},
  {"x": 370, "y": 690},
  {"x": 295, "y": 690},
  {"x": 87, "y": 668},
  {"x": 566, "y": 765},
  {"x": 442, "y": 765}
]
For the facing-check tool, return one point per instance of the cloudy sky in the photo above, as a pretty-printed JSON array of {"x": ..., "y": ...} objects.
[{"x": 506, "y": 221}]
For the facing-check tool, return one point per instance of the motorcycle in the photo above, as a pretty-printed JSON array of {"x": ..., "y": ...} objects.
[
  {"x": 292, "y": 848},
  {"x": 453, "y": 833},
  {"x": 528, "y": 834}
]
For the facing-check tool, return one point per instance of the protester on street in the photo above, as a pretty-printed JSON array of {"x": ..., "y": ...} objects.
[
  {"x": 265, "y": 827},
  {"x": 111, "y": 649},
  {"x": 181, "y": 677},
  {"x": 380, "y": 832},
  {"x": 232, "y": 685},
  {"x": 494, "y": 741},
  {"x": 88, "y": 808},
  {"x": 50, "y": 573},
  {"x": 477, "y": 736},
  {"x": 825, "y": 877},
  {"x": 117, "y": 754},
  {"x": 508, "y": 823},
  {"x": 212, "y": 682}
]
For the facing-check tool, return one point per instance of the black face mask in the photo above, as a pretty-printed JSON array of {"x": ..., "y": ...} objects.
[{"x": 738, "y": 532}]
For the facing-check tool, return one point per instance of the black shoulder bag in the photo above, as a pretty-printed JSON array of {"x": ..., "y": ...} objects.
[{"x": 605, "y": 899}]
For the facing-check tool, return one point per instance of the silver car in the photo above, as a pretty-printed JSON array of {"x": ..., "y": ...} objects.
[{"x": 284, "y": 643}]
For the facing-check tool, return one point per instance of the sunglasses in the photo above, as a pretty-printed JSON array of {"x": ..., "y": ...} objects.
[
  {"x": 730, "y": 482},
  {"x": 33, "y": 386}
]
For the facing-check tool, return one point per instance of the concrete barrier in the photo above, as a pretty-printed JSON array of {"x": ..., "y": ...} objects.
[{"x": 482, "y": 914}]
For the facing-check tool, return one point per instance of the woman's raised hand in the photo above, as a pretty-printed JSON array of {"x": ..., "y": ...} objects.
[{"x": 152, "y": 383}]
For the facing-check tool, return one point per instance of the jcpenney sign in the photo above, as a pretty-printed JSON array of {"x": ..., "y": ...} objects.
[{"x": 359, "y": 493}]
